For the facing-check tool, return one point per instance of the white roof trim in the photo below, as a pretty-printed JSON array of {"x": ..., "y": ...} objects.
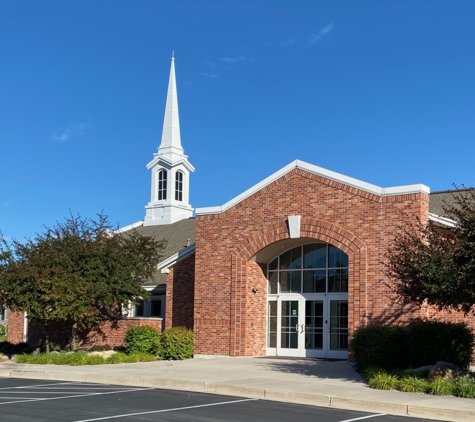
[
  {"x": 179, "y": 256},
  {"x": 442, "y": 220},
  {"x": 337, "y": 177},
  {"x": 129, "y": 227}
]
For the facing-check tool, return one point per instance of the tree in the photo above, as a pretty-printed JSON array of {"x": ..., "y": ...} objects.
[
  {"x": 429, "y": 263},
  {"x": 78, "y": 272}
]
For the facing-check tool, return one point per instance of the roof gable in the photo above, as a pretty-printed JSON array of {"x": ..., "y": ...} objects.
[{"x": 319, "y": 171}]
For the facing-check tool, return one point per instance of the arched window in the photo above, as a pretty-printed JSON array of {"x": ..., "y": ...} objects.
[
  {"x": 312, "y": 268},
  {"x": 179, "y": 186},
  {"x": 162, "y": 185}
]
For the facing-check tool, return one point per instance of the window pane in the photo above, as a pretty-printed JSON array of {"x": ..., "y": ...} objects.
[
  {"x": 338, "y": 325},
  {"x": 289, "y": 320},
  {"x": 156, "y": 308},
  {"x": 179, "y": 186},
  {"x": 272, "y": 324},
  {"x": 290, "y": 281},
  {"x": 337, "y": 258},
  {"x": 315, "y": 256},
  {"x": 295, "y": 281},
  {"x": 272, "y": 283},
  {"x": 291, "y": 259},
  {"x": 138, "y": 309},
  {"x": 273, "y": 264},
  {"x": 338, "y": 280},
  {"x": 313, "y": 324},
  {"x": 162, "y": 185},
  {"x": 314, "y": 281},
  {"x": 284, "y": 282}
]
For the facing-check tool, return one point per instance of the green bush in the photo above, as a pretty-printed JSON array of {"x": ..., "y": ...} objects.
[
  {"x": 432, "y": 341},
  {"x": 413, "y": 384},
  {"x": 383, "y": 381},
  {"x": 465, "y": 387},
  {"x": 442, "y": 387},
  {"x": 379, "y": 346},
  {"x": 133, "y": 357},
  {"x": 7, "y": 348},
  {"x": 143, "y": 339},
  {"x": 176, "y": 343},
  {"x": 82, "y": 358},
  {"x": 3, "y": 330}
]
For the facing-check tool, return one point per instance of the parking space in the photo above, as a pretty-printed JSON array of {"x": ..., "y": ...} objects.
[{"x": 36, "y": 400}]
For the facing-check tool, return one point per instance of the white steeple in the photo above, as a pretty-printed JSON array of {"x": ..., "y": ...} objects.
[{"x": 170, "y": 168}]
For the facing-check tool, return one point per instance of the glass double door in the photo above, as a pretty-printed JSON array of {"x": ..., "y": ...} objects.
[{"x": 311, "y": 325}]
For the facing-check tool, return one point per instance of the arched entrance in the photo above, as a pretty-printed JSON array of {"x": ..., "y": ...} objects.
[{"x": 307, "y": 302}]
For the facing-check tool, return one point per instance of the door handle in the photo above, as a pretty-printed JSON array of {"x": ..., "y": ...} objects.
[
  {"x": 302, "y": 328},
  {"x": 297, "y": 327}
]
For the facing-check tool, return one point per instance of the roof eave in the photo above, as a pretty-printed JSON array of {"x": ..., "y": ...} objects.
[{"x": 176, "y": 258}]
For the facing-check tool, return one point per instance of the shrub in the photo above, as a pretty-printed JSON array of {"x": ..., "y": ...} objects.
[
  {"x": 379, "y": 346},
  {"x": 465, "y": 387},
  {"x": 442, "y": 387},
  {"x": 133, "y": 357},
  {"x": 432, "y": 341},
  {"x": 142, "y": 339},
  {"x": 7, "y": 348},
  {"x": 383, "y": 381},
  {"x": 82, "y": 358},
  {"x": 3, "y": 330},
  {"x": 413, "y": 384},
  {"x": 176, "y": 343}
]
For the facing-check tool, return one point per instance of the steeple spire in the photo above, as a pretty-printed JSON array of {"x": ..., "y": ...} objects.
[
  {"x": 170, "y": 168},
  {"x": 171, "y": 123}
]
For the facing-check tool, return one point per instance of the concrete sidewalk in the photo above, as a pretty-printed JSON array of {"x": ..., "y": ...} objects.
[{"x": 304, "y": 381}]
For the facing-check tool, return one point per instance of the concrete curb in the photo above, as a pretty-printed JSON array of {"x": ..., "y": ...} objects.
[{"x": 465, "y": 414}]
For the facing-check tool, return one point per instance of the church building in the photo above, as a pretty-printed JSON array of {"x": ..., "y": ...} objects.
[{"x": 290, "y": 267}]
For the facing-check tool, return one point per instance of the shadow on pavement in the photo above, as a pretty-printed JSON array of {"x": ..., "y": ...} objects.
[{"x": 315, "y": 368}]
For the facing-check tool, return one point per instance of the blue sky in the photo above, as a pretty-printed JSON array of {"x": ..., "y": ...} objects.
[{"x": 379, "y": 90}]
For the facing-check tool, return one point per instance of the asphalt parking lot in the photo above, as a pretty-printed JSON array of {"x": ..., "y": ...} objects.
[{"x": 36, "y": 400}]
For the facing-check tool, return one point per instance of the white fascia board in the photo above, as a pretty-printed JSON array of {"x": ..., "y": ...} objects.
[
  {"x": 405, "y": 190},
  {"x": 129, "y": 227},
  {"x": 319, "y": 171},
  {"x": 179, "y": 256},
  {"x": 442, "y": 220},
  {"x": 156, "y": 287}
]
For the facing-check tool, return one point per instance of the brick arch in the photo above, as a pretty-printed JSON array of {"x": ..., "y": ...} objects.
[
  {"x": 331, "y": 233},
  {"x": 310, "y": 228}
]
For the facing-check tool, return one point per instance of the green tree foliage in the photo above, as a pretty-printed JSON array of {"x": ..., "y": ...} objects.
[
  {"x": 78, "y": 272},
  {"x": 433, "y": 264}
]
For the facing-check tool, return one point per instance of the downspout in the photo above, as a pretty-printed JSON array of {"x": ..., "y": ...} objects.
[{"x": 25, "y": 327}]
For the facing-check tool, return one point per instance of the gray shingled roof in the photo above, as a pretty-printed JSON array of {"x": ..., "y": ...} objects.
[
  {"x": 177, "y": 236},
  {"x": 439, "y": 200}
]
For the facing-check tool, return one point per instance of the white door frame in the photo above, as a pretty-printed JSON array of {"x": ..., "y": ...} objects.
[{"x": 294, "y": 326}]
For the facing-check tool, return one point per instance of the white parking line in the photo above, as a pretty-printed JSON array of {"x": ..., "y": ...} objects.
[
  {"x": 364, "y": 417},
  {"x": 164, "y": 410},
  {"x": 37, "y": 385},
  {"x": 80, "y": 387},
  {"x": 79, "y": 395},
  {"x": 58, "y": 392}
]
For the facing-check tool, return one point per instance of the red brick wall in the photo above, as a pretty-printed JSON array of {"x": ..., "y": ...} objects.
[
  {"x": 229, "y": 319},
  {"x": 110, "y": 333},
  {"x": 15, "y": 327},
  {"x": 180, "y": 294}
]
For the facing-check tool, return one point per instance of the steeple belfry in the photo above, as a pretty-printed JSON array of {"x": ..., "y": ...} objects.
[{"x": 170, "y": 168}]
